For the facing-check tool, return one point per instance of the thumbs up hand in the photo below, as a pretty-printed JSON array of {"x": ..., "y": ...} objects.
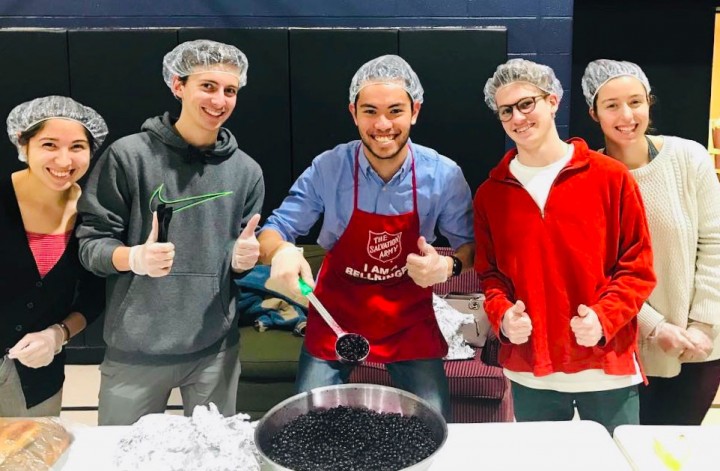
[
  {"x": 430, "y": 268},
  {"x": 586, "y": 327},
  {"x": 516, "y": 324},
  {"x": 152, "y": 258},
  {"x": 247, "y": 248}
]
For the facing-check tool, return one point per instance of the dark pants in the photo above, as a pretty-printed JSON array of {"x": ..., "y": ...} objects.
[
  {"x": 424, "y": 378},
  {"x": 609, "y": 408},
  {"x": 682, "y": 400}
]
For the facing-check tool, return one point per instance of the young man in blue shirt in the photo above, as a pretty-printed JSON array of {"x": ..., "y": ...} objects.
[{"x": 382, "y": 199}]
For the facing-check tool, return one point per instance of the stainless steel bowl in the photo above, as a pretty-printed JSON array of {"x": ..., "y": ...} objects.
[{"x": 374, "y": 397}]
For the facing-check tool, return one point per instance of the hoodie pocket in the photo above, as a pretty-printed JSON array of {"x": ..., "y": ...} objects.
[{"x": 176, "y": 314}]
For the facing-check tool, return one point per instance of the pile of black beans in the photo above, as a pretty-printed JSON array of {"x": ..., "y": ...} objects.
[
  {"x": 352, "y": 348},
  {"x": 352, "y": 439}
]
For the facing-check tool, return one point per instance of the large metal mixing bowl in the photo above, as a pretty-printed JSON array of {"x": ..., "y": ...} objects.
[{"x": 371, "y": 396}]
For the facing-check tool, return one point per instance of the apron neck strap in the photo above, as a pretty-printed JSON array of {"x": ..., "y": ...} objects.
[{"x": 357, "y": 172}]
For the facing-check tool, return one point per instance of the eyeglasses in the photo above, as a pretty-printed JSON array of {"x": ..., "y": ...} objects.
[{"x": 525, "y": 106}]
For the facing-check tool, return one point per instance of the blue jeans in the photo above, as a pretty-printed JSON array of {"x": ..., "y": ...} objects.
[
  {"x": 424, "y": 378},
  {"x": 609, "y": 408}
]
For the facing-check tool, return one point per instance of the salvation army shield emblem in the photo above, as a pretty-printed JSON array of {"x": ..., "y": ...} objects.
[{"x": 383, "y": 246}]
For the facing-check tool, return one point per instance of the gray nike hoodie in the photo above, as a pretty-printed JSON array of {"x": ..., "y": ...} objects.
[{"x": 191, "y": 312}]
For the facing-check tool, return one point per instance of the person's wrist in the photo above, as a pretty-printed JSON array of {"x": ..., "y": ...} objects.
[
  {"x": 135, "y": 262},
  {"x": 656, "y": 331},
  {"x": 61, "y": 335},
  {"x": 449, "y": 267},
  {"x": 286, "y": 248}
]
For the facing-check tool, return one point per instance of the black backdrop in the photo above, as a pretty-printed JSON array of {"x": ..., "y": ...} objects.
[
  {"x": 293, "y": 107},
  {"x": 672, "y": 40}
]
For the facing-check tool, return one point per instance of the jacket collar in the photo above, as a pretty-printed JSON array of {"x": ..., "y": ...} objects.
[{"x": 579, "y": 160}]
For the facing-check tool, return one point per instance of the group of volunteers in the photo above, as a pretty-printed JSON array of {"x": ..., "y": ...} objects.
[{"x": 599, "y": 268}]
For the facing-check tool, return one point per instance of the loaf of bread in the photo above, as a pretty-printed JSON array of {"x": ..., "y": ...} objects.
[{"x": 31, "y": 444}]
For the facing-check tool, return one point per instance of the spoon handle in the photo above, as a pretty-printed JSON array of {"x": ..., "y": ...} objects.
[{"x": 308, "y": 293}]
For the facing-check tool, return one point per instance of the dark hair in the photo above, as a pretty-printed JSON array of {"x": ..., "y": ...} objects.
[{"x": 33, "y": 130}]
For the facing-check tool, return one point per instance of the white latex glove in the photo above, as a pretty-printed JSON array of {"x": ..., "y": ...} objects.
[
  {"x": 38, "y": 349},
  {"x": 672, "y": 339},
  {"x": 247, "y": 248},
  {"x": 586, "y": 327},
  {"x": 152, "y": 258},
  {"x": 287, "y": 266},
  {"x": 702, "y": 344},
  {"x": 428, "y": 269},
  {"x": 516, "y": 324}
]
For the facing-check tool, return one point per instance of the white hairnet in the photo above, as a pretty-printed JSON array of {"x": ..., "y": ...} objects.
[
  {"x": 203, "y": 55},
  {"x": 521, "y": 70},
  {"x": 28, "y": 114},
  {"x": 387, "y": 69},
  {"x": 601, "y": 71}
]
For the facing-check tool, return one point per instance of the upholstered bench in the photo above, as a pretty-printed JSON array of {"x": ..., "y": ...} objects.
[{"x": 478, "y": 392}]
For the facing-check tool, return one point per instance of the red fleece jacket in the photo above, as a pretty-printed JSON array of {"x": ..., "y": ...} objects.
[{"x": 591, "y": 246}]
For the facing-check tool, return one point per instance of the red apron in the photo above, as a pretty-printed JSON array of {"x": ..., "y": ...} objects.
[{"x": 364, "y": 285}]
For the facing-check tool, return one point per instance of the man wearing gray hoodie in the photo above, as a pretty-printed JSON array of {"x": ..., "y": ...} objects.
[{"x": 170, "y": 317}]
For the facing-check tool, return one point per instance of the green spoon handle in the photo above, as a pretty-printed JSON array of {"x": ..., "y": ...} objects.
[{"x": 308, "y": 293}]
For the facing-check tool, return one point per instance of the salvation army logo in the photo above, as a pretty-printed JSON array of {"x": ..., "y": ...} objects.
[{"x": 384, "y": 247}]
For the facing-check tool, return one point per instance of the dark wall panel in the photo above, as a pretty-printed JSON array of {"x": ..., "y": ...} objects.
[
  {"x": 453, "y": 66},
  {"x": 35, "y": 65},
  {"x": 672, "y": 40},
  {"x": 261, "y": 120},
  {"x": 322, "y": 63},
  {"x": 119, "y": 73}
]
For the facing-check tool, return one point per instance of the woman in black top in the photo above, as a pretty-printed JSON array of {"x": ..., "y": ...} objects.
[{"x": 46, "y": 297}]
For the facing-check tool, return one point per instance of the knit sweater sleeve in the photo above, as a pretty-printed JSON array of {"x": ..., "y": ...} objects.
[
  {"x": 648, "y": 319},
  {"x": 705, "y": 305}
]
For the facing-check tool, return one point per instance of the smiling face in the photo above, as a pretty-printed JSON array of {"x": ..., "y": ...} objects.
[
  {"x": 208, "y": 100},
  {"x": 384, "y": 114},
  {"x": 58, "y": 155},
  {"x": 529, "y": 130},
  {"x": 623, "y": 110}
]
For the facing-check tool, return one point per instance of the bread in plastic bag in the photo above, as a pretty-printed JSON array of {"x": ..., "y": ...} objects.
[{"x": 31, "y": 444}]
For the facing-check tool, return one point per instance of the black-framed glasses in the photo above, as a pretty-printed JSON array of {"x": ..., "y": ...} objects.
[{"x": 524, "y": 105}]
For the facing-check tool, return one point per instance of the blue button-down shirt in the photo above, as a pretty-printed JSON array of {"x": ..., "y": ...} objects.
[{"x": 326, "y": 187}]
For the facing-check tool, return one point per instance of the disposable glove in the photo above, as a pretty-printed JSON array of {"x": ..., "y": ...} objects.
[
  {"x": 586, "y": 327},
  {"x": 671, "y": 339},
  {"x": 699, "y": 335},
  {"x": 38, "y": 349},
  {"x": 516, "y": 324},
  {"x": 428, "y": 269},
  {"x": 287, "y": 266},
  {"x": 247, "y": 248},
  {"x": 152, "y": 258}
]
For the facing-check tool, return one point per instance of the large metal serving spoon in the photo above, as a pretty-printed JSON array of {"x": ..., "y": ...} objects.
[{"x": 349, "y": 347}]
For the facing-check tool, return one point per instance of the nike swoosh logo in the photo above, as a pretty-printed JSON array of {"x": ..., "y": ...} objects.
[{"x": 182, "y": 204}]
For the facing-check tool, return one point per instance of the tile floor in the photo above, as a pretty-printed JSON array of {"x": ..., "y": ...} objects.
[{"x": 83, "y": 381}]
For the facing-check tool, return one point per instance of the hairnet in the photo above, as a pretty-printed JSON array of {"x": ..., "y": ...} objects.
[
  {"x": 203, "y": 55},
  {"x": 387, "y": 69},
  {"x": 26, "y": 115},
  {"x": 521, "y": 70},
  {"x": 601, "y": 71}
]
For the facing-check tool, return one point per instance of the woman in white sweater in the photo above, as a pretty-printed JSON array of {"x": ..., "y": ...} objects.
[{"x": 680, "y": 321}]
